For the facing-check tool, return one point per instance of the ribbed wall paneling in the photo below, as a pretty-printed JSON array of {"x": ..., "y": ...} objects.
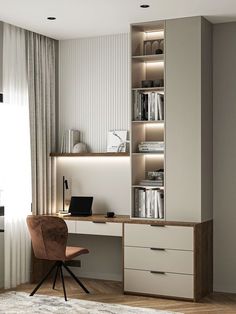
[{"x": 94, "y": 87}]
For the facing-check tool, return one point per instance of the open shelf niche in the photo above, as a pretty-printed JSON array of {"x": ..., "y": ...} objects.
[{"x": 147, "y": 64}]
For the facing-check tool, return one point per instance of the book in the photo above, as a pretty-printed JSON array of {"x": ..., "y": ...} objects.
[
  {"x": 147, "y": 106},
  {"x": 160, "y": 201}
]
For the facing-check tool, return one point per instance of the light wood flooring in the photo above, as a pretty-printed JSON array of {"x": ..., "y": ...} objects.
[{"x": 111, "y": 292}]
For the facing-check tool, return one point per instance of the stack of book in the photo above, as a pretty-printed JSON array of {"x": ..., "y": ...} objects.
[
  {"x": 148, "y": 182},
  {"x": 148, "y": 203},
  {"x": 148, "y": 106},
  {"x": 151, "y": 147}
]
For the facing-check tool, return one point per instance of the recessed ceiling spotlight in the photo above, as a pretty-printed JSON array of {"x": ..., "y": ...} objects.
[
  {"x": 144, "y": 6},
  {"x": 51, "y": 18}
]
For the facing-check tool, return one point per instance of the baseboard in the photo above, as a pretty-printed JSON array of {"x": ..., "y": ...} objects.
[
  {"x": 1, "y": 284},
  {"x": 225, "y": 290}
]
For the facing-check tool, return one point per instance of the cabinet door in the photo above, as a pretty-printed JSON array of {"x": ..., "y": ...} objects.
[{"x": 183, "y": 119}]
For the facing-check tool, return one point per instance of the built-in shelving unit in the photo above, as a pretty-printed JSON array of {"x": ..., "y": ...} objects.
[
  {"x": 147, "y": 125},
  {"x": 89, "y": 154}
]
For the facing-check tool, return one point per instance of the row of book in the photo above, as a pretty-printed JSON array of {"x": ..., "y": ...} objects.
[
  {"x": 148, "y": 203},
  {"x": 148, "y": 106},
  {"x": 151, "y": 147}
]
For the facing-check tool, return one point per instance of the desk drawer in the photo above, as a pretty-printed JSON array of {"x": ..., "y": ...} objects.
[
  {"x": 167, "y": 237},
  {"x": 108, "y": 228},
  {"x": 167, "y": 284},
  {"x": 173, "y": 261},
  {"x": 70, "y": 226}
]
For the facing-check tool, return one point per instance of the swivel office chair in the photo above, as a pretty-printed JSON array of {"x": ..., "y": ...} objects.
[{"x": 49, "y": 238}]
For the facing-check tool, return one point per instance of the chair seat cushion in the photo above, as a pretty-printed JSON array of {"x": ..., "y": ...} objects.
[{"x": 73, "y": 251}]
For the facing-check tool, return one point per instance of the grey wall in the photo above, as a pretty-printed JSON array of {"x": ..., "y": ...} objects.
[{"x": 224, "y": 152}]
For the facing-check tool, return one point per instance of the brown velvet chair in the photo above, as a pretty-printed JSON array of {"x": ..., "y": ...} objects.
[{"x": 49, "y": 238}]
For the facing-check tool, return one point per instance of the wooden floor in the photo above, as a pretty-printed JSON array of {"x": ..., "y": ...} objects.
[{"x": 111, "y": 292}]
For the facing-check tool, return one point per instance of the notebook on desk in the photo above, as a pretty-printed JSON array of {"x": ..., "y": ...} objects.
[{"x": 81, "y": 206}]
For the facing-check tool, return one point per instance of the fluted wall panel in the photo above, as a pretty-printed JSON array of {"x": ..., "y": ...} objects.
[{"x": 94, "y": 87}]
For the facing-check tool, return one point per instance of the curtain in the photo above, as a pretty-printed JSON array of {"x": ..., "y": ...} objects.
[
  {"x": 41, "y": 80},
  {"x": 15, "y": 165}
]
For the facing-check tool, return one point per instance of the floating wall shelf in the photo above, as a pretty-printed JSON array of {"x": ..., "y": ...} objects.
[{"x": 89, "y": 154}]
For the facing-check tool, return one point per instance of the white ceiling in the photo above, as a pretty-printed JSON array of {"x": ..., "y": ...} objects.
[{"x": 77, "y": 18}]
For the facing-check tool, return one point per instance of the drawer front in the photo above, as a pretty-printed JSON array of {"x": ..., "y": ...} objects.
[
  {"x": 174, "y": 285},
  {"x": 168, "y": 237},
  {"x": 70, "y": 226},
  {"x": 108, "y": 228},
  {"x": 173, "y": 261}
]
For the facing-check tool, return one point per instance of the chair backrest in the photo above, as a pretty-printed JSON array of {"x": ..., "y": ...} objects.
[{"x": 49, "y": 237}]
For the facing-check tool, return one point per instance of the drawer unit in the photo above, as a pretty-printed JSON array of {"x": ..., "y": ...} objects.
[
  {"x": 106, "y": 228},
  {"x": 70, "y": 226},
  {"x": 173, "y": 261},
  {"x": 167, "y": 237},
  {"x": 164, "y": 284}
]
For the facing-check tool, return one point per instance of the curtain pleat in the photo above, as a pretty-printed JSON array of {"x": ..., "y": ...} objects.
[
  {"x": 41, "y": 79},
  {"x": 15, "y": 166}
]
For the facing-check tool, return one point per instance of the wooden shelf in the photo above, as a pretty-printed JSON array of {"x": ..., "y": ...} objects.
[
  {"x": 89, "y": 155},
  {"x": 149, "y": 121},
  {"x": 160, "y": 89},
  {"x": 149, "y": 58},
  {"x": 148, "y": 186},
  {"x": 149, "y": 154}
]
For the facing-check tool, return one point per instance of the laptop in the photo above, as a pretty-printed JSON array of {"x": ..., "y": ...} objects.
[{"x": 81, "y": 206}]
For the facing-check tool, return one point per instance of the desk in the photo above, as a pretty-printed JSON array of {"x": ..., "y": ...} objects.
[{"x": 161, "y": 258}]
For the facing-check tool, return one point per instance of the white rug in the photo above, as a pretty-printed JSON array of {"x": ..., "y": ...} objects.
[{"x": 22, "y": 303}]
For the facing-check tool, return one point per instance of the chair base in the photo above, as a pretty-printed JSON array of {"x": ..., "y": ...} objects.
[{"x": 58, "y": 265}]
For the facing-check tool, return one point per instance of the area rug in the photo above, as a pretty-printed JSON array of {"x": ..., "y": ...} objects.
[{"x": 22, "y": 303}]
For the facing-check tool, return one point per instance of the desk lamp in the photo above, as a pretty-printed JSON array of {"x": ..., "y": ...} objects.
[{"x": 65, "y": 186}]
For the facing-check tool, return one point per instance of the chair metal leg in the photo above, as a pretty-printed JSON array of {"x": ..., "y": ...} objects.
[
  {"x": 75, "y": 278},
  {"x": 63, "y": 283},
  {"x": 44, "y": 278},
  {"x": 55, "y": 278}
]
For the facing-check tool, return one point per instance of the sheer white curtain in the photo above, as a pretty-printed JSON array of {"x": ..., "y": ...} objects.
[{"x": 15, "y": 161}]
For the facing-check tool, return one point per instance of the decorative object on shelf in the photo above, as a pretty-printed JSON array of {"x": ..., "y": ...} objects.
[
  {"x": 65, "y": 186},
  {"x": 152, "y": 47},
  {"x": 117, "y": 141},
  {"x": 151, "y": 147},
  {"x": 110, "y": 215},
  {"x": 158, "y": 51},
  {"x": 69, "y": 139},
  {"x": 147, "y": 47},
  {"x": 147, "y": 83},
  {"x": 158, "y": 83},
  {"x": 155, "y": 46},
  {"x": 80, "y": 148},
  {"x": 161, "y": 45},
  {"x": 154, "y": 179}
]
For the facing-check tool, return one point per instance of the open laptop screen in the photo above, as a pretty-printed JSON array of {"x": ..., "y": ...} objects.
[{"x": 81, "y": 206}]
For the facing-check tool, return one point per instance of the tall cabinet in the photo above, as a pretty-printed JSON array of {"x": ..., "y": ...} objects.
[{"x": 171, "y": 158}]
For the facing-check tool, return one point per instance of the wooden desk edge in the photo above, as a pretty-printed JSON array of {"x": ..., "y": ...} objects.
[{"x": 126, "y": 219}]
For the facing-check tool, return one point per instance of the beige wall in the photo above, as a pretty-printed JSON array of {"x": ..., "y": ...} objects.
[{"x": 224, "y": 150}]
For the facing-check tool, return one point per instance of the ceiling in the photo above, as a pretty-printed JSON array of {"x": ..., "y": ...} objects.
[{"x": 77, "y": 18}]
